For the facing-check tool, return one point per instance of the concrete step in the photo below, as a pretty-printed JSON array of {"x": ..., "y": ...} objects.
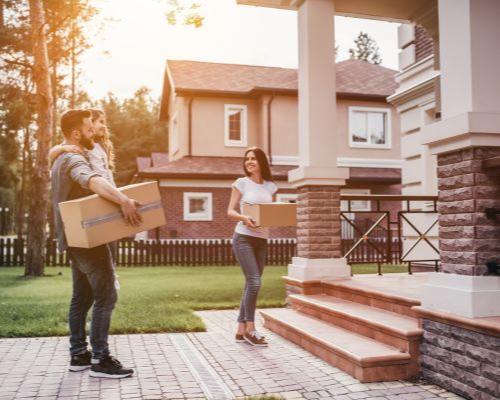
[
  {"x": 365, "y": 359},
  {"x": 393, "y": 329},
  {"x": 382, "y": 298}
]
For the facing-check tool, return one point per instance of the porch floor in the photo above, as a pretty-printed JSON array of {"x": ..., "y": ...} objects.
[{"x": 397, "y": 284}]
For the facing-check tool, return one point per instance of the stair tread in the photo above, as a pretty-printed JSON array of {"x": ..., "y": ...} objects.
[
  {"x": 403, "y": 293},
  {"x": 400, "y": 324},
  {"x": 359, "y": 348}
]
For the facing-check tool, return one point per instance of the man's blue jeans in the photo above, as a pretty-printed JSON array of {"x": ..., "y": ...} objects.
[
  {"x": 251, "y": 254},
  {"x": 93, "y": 283}
]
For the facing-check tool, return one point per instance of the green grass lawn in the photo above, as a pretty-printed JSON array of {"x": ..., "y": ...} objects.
[{"x": 151, "y": 299}]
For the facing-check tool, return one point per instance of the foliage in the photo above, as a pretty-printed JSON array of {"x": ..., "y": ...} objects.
[
  {"x": 135, "y": 130},
  {"x": 68, "y": 36},
  {"x": 186, "y": 10},
  {"x": 366, "y": 49}
]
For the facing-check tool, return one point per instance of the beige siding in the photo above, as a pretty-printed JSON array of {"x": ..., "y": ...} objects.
[
  {"x": 208, "y": 126},
  {"x": 284, "y": 137},
  {"x": 181, "y": 114}
]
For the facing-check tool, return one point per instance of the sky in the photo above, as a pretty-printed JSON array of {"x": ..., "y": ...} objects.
[{"x": 134, "y": 43}]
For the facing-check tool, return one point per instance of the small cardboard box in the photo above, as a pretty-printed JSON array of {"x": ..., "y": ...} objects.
[
  {"x": 91, "y": 221},
  {"x": 272, "y": 214}
]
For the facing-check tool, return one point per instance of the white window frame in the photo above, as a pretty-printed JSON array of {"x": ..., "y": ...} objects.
[
  {"x": 286, "y": 197},
  {"x": 244, "y": 125},
  {"x": 368, "y": 206},
  {"x": 349, "y": 232},
  {"x": 388, "y": 132},
  {"x": 197, "y": 217}
]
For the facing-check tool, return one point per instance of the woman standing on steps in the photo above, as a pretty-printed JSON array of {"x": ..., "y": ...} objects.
[{"x": 250, "y": 241}]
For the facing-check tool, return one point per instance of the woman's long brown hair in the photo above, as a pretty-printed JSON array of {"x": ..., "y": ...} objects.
[
  {"x": 261, "y": 157},
  {"x": 104, "y": 141}
]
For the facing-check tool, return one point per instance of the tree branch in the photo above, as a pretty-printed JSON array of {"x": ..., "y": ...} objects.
[{"x": 17, "y": 62}]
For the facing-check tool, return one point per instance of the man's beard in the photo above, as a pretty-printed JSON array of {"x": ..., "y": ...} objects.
[{"x": 87, "y": 143}]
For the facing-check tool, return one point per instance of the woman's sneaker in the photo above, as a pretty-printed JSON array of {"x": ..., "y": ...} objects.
[
  {"x": 80, "y": 362},
  {"x": 239, "y": 338},
  {"x": 110, "y": 367},
  {"x": 255, "y": 339}
]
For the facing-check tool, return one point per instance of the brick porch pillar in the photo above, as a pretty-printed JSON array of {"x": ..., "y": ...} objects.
[
  {"x": 467, "y": 238},
  {"x": 460, "y": 344},
  {"x": 468, "y": 133},
  {"x": 318, "y": 222},
  {"x": 317, "y": 178}
]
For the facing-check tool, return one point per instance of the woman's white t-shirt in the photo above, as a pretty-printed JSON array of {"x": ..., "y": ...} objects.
[
  {"x": 99, "y": 161},
  {"x": 252, "y": 193}
]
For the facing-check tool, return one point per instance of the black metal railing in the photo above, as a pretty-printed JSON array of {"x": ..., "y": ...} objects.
[{"x": 380, "y": 229}]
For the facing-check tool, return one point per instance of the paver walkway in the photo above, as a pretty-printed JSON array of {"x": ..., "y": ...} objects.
[{"x": 190, "y": 366}]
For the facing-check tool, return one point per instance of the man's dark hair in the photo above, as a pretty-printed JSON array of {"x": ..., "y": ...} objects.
[{"x": 72, "y": 120}]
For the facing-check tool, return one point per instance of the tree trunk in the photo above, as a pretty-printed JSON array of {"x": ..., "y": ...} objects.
[
  {"x": 39, "y": 196},
  {"x": 21, "y": 200},
  {"x": 72, "y": 102}
]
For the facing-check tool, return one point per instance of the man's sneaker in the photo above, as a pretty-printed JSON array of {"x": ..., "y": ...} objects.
[
  {"x": 110, "y": 367},
  {"x": 239, "y": 338},
  {"x": 80, "y": 362},
  {"x": 255, "y": 339}
]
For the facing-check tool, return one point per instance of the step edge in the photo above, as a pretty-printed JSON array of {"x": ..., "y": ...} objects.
[
  {"x": 396, "y": 359},
  {"x": 410, "y": 302},
  {"x": 416, "y": 333}
]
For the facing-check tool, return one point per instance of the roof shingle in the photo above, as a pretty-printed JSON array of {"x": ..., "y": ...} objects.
[
  {"x": 353, "y": 77},
  {"x": 202, "y": 167}
]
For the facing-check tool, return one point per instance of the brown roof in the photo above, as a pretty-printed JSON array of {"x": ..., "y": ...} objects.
[
  {"x": 207, "y": 168},
  {"x": 354, "y": 77},
  {"x": 143, "y": 162},
  {"x": 192, "y": 167},
  {"x": 159, "y": 159}
]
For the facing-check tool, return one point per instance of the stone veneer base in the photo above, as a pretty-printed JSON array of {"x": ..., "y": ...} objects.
[{"x": 461, "y": 360}]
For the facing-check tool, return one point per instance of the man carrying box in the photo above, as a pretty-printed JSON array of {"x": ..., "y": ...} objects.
[{"x": 92, "y": 269}]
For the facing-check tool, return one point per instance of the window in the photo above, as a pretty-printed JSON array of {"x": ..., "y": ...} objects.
[
  {"x": 370, "y": 127},
  {"x": 235, "y": 125},
  {"x": 356, "y": 205},
  {"x": 286, "y": 198},
  {"x": 197, "y": 206}
]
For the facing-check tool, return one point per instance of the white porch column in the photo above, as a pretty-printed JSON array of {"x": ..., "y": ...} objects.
[
  {"x": 469, "y": 132},
  {"x": 317, "y": 97},
  {"x": 317, "y": 178}
]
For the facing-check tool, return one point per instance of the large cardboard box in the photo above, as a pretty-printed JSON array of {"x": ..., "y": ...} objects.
[
  {"x": 272, "y": 214},
  {"x": 92, "y": 221}
]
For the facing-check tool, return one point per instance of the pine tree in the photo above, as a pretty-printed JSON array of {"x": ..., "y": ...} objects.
[{"x": 366, "y": 49}]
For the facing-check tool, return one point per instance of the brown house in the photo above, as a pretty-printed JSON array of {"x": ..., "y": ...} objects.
[{"x": 215, "y": 111}]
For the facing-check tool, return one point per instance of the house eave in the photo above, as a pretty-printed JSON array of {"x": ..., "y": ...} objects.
[
  {"x": 402, "y": 11},
  {"x": 259, "y": 91}
]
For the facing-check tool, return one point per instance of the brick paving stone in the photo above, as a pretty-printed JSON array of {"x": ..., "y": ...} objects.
[
  {"x": 360, "y": 395},
  {"x": 311, "y": 395},
  {"x": 338, "y": 391},
  {"x": 291, "y": 395},
  {"x": 410, "y": 396},
  {"x": 37, "y": 368},
  {"x": 357, "y": 387}
]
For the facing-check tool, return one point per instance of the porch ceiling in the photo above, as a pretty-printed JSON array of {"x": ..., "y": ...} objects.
[{"x": 388, "y": 10}]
